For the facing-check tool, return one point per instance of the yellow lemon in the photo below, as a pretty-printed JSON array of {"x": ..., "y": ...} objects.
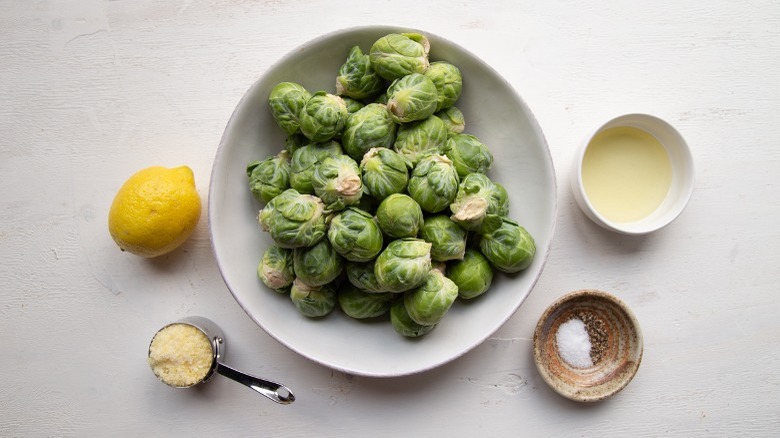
[{"x": 155, "y": 211}]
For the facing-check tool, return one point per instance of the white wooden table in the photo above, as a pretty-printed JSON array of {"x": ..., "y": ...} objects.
[{"x": 91, "y": 91}]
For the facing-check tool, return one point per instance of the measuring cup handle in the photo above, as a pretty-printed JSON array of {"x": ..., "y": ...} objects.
[{"x": 274, "y": 391}]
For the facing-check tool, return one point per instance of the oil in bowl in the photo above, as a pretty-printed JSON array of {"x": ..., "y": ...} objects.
[{"x": 633, "y": 175}]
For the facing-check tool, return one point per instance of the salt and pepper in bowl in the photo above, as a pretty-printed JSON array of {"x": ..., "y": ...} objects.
[{"x": 587, "y": 345}]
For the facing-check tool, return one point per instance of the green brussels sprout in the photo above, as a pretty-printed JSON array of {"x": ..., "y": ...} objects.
[
  {"x": 384, "y": 172},
  {"x": 399, "y": 216},
  {"x": 411, "y": 98},
  {"x": 509, "y": 248},
  {"x": 447, "y": 239},
  {"x": 453, "y": 119},
  {"x": 270, "y": 177},
  {"x": 428, "y": 303},
  {"x": 397, "y": 55},
  {"x": 370, "y": 127},
  {"x": 473, "y": 275},
  {"x": 479, "y": 198},
  {"x": 469, "y": 155},
  {"x": 355, "y": 235},
  {"x": 286, "y": 101},
  {"x": 434, "y": 183},
  {"x": 294, "y": 142},
  {"x": 275, "y": 269},
  {"x": 439, "y": 266},
  {"x": 499, "y": 200},
  {"x": 416, "y": 139},
  {"x": 448, "y": 81},
  {"x": 360, "y": 304},
  {"x": 336, "y": 180},
  {"x": 294, "y": 220},
  {"x": 323, "y": 116},
  {"x": 381, "y": 98},
  {"x": 362, "y": 276},
  {"x": 356, "y": 78},
  {"x": 313, "y": 301},
  {"x": 317, "y": 265},
  {"x": 403, "y": 264},
  {"x": 404, "y": 324},
  {"x": 353, "y": 105},
  {"x": 306, "y": 159},
  {"x": 367, "y": 202}
]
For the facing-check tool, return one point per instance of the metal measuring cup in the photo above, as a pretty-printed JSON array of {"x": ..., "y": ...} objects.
[{"x": 272, "y": 390}]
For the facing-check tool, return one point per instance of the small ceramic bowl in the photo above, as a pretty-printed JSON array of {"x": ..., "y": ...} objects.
[
  {"x": 615, "y": 345},
  {"x": 682, "y": 175}
]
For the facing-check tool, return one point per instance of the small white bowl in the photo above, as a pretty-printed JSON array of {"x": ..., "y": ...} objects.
[{"x": 681, "y": 184}]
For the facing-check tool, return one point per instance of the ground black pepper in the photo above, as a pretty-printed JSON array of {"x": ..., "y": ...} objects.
[{"x": 597, "y": 332}]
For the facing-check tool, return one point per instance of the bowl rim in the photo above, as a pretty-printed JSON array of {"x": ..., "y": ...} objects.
[
  {"x": 532, "y": 120},
  {"x": 551, "y": 379}
]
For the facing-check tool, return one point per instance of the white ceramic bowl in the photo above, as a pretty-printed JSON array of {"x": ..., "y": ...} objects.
[
  {"x": 494, "y": 113},
  {"x": 682, "y": 175}
]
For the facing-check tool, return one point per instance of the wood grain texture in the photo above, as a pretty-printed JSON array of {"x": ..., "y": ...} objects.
[{"x": 94, "y": 90}]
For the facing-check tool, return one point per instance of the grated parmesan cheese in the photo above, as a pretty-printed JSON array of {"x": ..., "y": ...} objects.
[{"x": 180, "y": 355}]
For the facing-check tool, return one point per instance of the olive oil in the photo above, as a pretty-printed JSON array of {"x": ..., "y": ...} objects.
[{"x": 626, "y": 173}]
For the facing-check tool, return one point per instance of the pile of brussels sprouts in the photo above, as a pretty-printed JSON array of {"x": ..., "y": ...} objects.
[{"x": 379, "y": 202}]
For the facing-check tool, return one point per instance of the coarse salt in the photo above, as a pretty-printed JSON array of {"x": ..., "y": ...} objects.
[{"x": 574, "y": 343}]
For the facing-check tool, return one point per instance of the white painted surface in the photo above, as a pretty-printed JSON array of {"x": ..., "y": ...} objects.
[{"x": 92, "y": 91}]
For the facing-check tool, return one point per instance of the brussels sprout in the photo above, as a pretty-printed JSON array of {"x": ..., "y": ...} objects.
[
  {"x": 397, "y": 55},
  {"x": 403, "y": 264},
  {"x": 360, "y": 304},
  {"x": 353, "y": 105},
  {"x": 447, "y": 239},
  {"x": 384, "y": 172},
  {"x": 367, "y": 202},
  {"x": 336, "y": 180},
  {"x": 411, "y": 98},
  {"x": 275, "y": 269},
  {"x": 499, "y": 200},
  {"x": 270, "y": 177},
  {"x": 306, "y": 159},
  {"x": 362, "y": 276},
  {"x": 294, "y": 142},
  {"x": 399, "y": 216},
  {"x": 355, "y": 235},
  {"x": 382, "y": 98},
  {"x": 370, "y": 127},
  {"x": 479, "y": 198},
  {"x": 323, "y": 116},
  {"x": 509, "y": 248},
  {"x": 448, "y": 81},
  {"x": 317, "y": 265},
  {"x": 434, "y": 183},
  {"x": 294, "y": 220},
  {"x": 473, "y": 274},
  {"x": 404, "y": 324},
  {"x": 356, "y": 78},
  {"x": 453, "y": 119},
  {"x": 286, "y": 101},
  {"x": 429, "y": 136},
  {"x": 428, "y": 303},
  {"x": 439, "y": 266},
  {"x": 313, "y": 301},
  {"x": 469, "y": 155}
]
